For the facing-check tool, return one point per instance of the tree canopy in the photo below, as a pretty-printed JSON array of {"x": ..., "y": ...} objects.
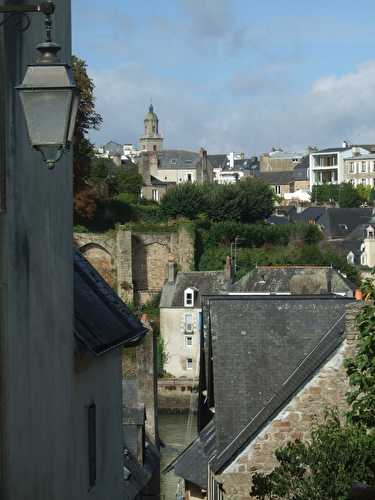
[
  {"x": 247, "y": 201},
  {"x": 87, "y": 119}
]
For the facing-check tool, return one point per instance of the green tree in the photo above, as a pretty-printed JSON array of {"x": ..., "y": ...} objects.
[
  {"x": 255, "y": 200},
  {"x": 87, "y": 119},
  {"x": 100, "y": 169},
  {"x": 361, "y": 368},
  {"x": 348, "y": 196},
  {"x": 185, "y": 200},
  {"x": 324, "y": 468},
  {"x": 366, "y": 193},
  {"x": 127, "y": 180},
  {"x": 325, "y": 193}
]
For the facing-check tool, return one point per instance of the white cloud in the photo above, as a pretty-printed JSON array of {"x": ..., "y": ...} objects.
[{"x": 333, "y": 109}]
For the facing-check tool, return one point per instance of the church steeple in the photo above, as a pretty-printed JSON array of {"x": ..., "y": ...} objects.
[{"x": 151, "y": 140}]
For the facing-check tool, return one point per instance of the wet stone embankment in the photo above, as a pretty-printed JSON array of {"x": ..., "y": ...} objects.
[{"x": 177, "y": 396}]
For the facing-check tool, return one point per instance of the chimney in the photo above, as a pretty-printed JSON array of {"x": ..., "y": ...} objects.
[
  {"x": 228, "y": 274},
  {"x": 345, "y": 144},
  {"x": 171, "y": 270}
]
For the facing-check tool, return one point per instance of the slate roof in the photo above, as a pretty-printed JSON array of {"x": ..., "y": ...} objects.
[
  {"x": 259, "y": 341},
  {"x": 206, "y": 282},
  {"x": 360, "y": 231},
  {"x": 297, "y": 280},
  {"x": 135, "y": 475},
  {"x": 276, "y": 178},
  {"x": 340, "y": 222},
  {"x": 277, "y": 219},
  {"x": 369, "y": 147},
  {"x": 296, "y": 375},
  {"x": 191, "y": 464},
  {"x": 101, "y": 320},
  {"x": 172, "y": 159},
  {"x": 332, "y": 150},
  {"x": 309, "y": 214},
  {"x": 264, "y": 349},
  {"x": 113, "y": 148},
  {"x": 218, "y": 161},
  {"x": 158, "y": 182}
]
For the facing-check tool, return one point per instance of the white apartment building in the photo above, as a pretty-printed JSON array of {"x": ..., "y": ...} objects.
[{"x": 328, "y": 165}]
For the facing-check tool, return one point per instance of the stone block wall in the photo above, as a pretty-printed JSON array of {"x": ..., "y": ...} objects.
[
  {"x": 135, "y": 263},
  {"x": 326, "y": 389}
]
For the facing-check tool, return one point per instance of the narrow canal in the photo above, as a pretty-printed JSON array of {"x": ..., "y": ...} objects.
[{"x": 176, "y": 432}]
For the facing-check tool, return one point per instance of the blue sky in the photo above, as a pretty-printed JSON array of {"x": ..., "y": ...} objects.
[{"x": 232, "y": 74}]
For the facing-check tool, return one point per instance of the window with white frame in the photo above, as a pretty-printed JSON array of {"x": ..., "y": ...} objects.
[
  {"x": 188, "y": 341},
  {"x": 373, "y": 166},
  {"x": 189, "y": 364},
  {"x": 364, "y": 166},
  {"x": 155, "y": 195},
  {"x": 352, "y": 167},
  {"x": 364, "y": 182},
  {"x": 189, "y": 297},
  {"x": 278, "y": 189},
  {"x": 350, "y": 258},
  {"x": 188, "y": 323}
]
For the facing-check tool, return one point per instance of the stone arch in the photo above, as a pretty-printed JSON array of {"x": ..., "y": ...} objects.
[
  {"x": 101, "y": 259},
  {"x": 150, "y": 260}
]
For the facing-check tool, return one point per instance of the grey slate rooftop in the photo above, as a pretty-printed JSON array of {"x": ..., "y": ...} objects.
[
  {"x": 263, "y": 350},
  {"x": 206, "y": 282},
  {"x": 101, "y": 320},
  {"x": 276, "y": 178},
  {"x": 340, "y": 222},
  {"x": 178, "y": 159},
  {"x": 191, "y": 464},
  {"x": 135, "y": 475},
  {"x": 296, "y": 280}
]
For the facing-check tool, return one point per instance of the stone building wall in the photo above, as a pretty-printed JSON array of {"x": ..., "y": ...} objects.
[
  {"x": 326, "y": 389},
  {"x": 135, "y": 263}
]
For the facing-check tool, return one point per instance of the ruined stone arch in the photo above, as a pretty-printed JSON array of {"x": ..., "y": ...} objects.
[{"x": 101, "y": 259}]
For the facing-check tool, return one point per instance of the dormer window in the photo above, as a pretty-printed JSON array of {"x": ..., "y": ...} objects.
[{"x": 189, "y": 297}]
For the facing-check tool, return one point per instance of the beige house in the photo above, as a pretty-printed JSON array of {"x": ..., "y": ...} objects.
[
  {"x": 359, "y": 169},
  {"x": 181, "y": 316}
]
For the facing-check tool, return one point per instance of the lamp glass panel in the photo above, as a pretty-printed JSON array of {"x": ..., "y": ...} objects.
[
  {"x": 47, "y": 114},
  {"x": 75, "y": 105}
]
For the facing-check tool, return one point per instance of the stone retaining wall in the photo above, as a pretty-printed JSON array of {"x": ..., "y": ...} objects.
[{"x": 177, "y": 396}]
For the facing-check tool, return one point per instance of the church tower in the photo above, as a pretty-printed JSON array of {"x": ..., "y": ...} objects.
[{"x": 151, "y": 139}]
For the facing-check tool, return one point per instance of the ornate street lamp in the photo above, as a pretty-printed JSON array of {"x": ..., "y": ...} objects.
[{"x": 49, "y": 97}]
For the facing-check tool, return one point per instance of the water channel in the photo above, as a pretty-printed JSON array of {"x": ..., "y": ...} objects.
[{"x": 176, "y": 432}]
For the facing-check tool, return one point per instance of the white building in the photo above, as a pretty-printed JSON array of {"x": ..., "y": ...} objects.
[
  {"x": 328, "y": 165},
  {"x": 180, "y": 316}
]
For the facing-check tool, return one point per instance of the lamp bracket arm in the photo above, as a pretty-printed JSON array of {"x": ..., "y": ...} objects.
[
  {"x": 11, "y": 11},
  {"x": 46, "y": 8}
]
